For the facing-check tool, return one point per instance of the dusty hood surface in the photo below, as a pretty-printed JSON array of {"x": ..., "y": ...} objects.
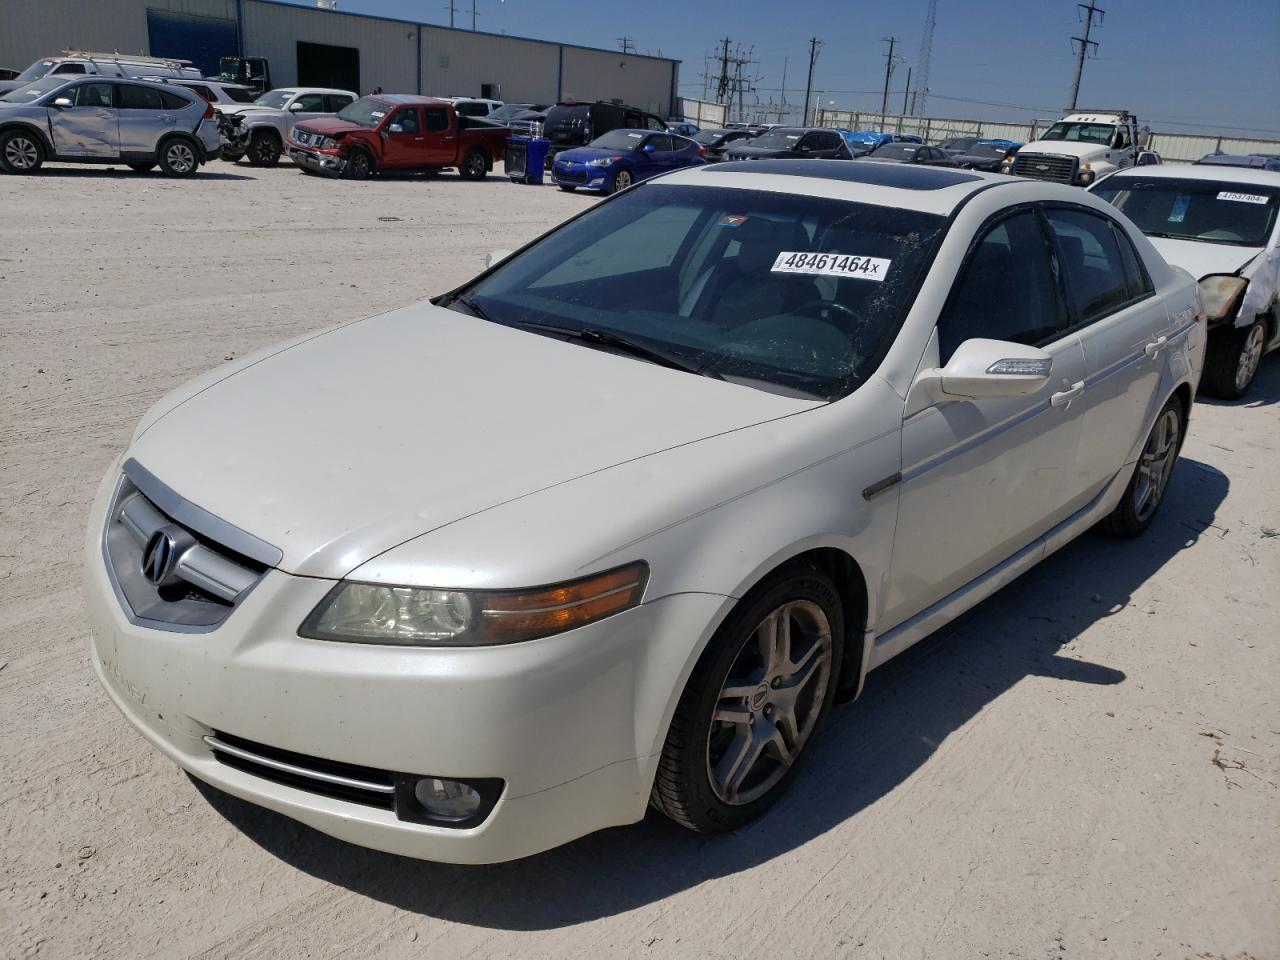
[
  {"x": 354, "y": 441},
  {"x": 1200, "y": 259}
]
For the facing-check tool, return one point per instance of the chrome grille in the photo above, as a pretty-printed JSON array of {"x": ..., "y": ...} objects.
[
  {"x": 207, "y": 568},
  {"x": 1043, "y": 166}
]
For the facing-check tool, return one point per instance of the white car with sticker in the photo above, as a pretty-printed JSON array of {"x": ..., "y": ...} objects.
[
  {"x": 616, "y": 523},
  {"x": 1222, "y": 224}
]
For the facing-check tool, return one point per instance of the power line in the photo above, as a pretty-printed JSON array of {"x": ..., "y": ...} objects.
[{"x": 1085, "y": 43}]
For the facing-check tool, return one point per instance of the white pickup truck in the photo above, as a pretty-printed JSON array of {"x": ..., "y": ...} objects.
[
  {"x": 1083, "y": 147},
  {"x": 259, "y": 129}
]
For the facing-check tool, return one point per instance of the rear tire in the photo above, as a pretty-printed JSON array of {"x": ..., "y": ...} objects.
[
  {"x": 474, "y": 166},
  {"x": 21, "y": 152},
  {"x": 141, "y": 167},
  {"x": 178, "y": 157},
  {"x": 1146, "y": 489},
  {"x": 1232, "y": 360},
  {"x": 745, "y": 717},
  {"x": 264, "y": 149}
]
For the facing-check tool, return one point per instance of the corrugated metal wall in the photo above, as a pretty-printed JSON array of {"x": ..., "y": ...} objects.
[
  {"x": 31, "y": 29},
  {"x": 637, "y": 81},
  {"x": 388, "y": 48},
  {"x": 455, "y": 63}
]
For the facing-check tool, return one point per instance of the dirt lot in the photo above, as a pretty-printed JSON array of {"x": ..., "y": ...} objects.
[{"x": 1085, "y": 766}]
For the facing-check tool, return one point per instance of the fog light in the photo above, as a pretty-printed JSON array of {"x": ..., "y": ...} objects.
[{"x": 447, "y": 799}]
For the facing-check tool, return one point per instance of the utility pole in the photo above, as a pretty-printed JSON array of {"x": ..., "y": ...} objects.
[
  {"x": 888, "y": 71},
  {"x": 453, "y": 8},
  {"x": 814, "y": 44},
  {"x": 1085, "y": 43},
  {"x": 627, "y": 45},
  {"x": 473, "y": 16},
  {"x": 722, "y": 86},
  {"x": 782, "y": 100},
  {"x": 906, "y": 91}
]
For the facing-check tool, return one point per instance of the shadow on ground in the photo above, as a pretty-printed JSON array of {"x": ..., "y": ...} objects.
[
  {"x": 867, "y": 749},
  {"x": 89, "y": 171}
]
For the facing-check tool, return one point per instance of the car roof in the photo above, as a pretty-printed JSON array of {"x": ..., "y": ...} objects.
[
  {"x": 1220, "y": 173},
  {"x": 403, "y": 98},
  {"x": 308, "y": 90}
]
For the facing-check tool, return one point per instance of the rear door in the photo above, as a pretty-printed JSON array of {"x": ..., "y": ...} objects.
[
  {"x": 89, "y": 128},
  {"x": 1120, "y": 322},
  {"x": 441, "y": 145},
  {"x": 143, "y": 118},
  {"x": 403, "y": 139}
]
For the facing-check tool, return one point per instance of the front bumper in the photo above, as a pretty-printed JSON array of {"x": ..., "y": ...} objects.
[
  {"x": 570, "y": 724},
  {"x": 317, "y": 161},
  {"x": 581, "y": 175}
]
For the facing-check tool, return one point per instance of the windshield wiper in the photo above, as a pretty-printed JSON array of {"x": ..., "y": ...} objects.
[
  {"x": 624, "y": 344},
  {"x": 471, "y": 305}
]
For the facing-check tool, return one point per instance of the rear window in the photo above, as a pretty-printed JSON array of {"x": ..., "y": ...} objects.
[
  {"x": 1213, "y": 211},
  {"x": 238, "y": 94}
]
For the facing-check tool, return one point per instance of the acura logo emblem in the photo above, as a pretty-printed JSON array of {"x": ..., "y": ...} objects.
[{"x": 160, "y": 556}]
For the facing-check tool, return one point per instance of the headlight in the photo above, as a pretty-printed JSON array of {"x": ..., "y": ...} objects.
[
  {"x": 1222, "y": 293},
  {"x": 421, "y": 616},
  {"x": 327, "y": 143},
  {"x": 602, "y": 161}
]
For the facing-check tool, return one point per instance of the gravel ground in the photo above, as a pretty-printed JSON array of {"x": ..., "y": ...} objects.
[{"x": 1084, "y": 766}]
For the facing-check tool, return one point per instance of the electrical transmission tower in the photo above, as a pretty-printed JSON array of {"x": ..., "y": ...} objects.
[
  {"x": 1084, "y": 44},
  {"x": 733, "y": 83},
  {"x": 627, "y": 45},
  {"x": 926, "y": 54}
]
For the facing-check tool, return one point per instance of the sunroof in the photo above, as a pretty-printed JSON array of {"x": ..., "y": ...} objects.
[{"x": 903, "y": 176}]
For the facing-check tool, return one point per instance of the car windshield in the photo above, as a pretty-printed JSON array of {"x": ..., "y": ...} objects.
[
  {"x": 778, "y": 139},
  {"x": 791, "y": 293},
  {"x": 365, "y": 112},
  {"x": 1215, "y": 211},
  {"x": 275, "y": 99},
  {"x": 510, "y": 111},
  {"x": 238, "y": 94},
  {"x": 1086, "y": 132},
  {"x": 33, "y": 91},
  {"x": 987, "y": 150},
  {"x": 894, "y": 151},
  {"x": 618, "y": 140},
  {"x": 709, "y": 136},
  {"x": 35, "y": 71}
]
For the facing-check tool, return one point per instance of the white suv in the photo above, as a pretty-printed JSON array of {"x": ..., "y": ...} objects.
[{"x": 617, "y": 522}]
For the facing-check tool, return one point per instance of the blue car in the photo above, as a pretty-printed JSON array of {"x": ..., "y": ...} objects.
[
  {"x": 862, "y": 142},
  {"x": 619, "y": 158}
]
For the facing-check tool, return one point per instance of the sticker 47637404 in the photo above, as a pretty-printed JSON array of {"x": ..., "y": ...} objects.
[
  {"x": 1242, "y": 197},
  {"x": 832, "y": 265}
]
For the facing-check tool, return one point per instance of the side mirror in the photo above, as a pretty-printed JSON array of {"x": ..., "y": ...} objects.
[
  {"x": 494, "y": 257},
  {"x": 295, "y": 106},
  {"x": 395, "y": 128},
  {"x": 63, "y": 102},
  {"x": 649, "y": 148},
  {"x": 1147, "y": 157},
  {"x": 984, "y": 368}
]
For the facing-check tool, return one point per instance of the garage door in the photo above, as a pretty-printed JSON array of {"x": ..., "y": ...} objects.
[
  {"x": 202, "y": 40},
  {"x": 324, "y": 65}
]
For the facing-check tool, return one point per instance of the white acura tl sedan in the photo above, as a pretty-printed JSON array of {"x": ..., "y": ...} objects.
[{"x": 615, "y": 523}]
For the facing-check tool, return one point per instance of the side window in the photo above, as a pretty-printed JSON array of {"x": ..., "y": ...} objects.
[
  {"x": 466, "y": 108},
  {"x": 1090, "y": 255},
  {"x": 1135, "y": 274},
  {"x": 68, "y": 68},
  {"x": 661, "y": 143},
  {"x": 407, "y": 117},
  {"x": 632, "y": 121},
  {"x": 653, "y": 123},
  {"x": 333, "y": 102},
  {"x": 133, "y": 96},
  {"x": 172, "y": 101},
  {"x": 1006, "y": 289},
  {"x": 93, "y": 95},
  {"x": 310, "y": 103},
  {"x": 437, "y": 119}
]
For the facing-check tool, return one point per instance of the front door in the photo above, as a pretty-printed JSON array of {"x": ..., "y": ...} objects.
[
  {"x": 981, "y": 479},
  {"x": 403, "y": 140},
  {"x": 89, "y": 128}
]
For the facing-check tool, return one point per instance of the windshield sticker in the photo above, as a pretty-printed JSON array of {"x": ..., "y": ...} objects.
[
  {"x": 832, "y": 265},
  {"x": 635, "y": 136},
  {"x": 733, "y": 219},
  {"x": 1179, "y": 211},
  {"x": 1241, "y": 197}
]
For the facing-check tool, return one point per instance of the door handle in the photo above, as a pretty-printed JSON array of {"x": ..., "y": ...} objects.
[
  {"x": 1064, "y": 398},
  {"x": 1155, "y": 346}
]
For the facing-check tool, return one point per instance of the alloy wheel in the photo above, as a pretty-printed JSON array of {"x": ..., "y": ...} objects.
[
  {"x": 21, "y": 153},
  {"x": 476, "y": 166},
  {"x": 1156, "y": 464},
  {"x": 621, "y": 180},
  {"x": 180, "y": 158},
  {"x": 1250, "y": 356},
  {"x": 770, "y": 702}
]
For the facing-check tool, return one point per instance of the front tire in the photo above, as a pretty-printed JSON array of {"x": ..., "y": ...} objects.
[
  {"x": 178, "y": 158},
  {"x": 621, "y": 180},
  {"x": 264, "y": 149},
  {"x": 760, "y": 689},
  {"x": 359, "y": 166},
  {"x": 474, "y": 166},
  {"x": 1146, "y": 489},
  {"x": 21, "y": 152},
  {"x": 1232, "y": 360}
]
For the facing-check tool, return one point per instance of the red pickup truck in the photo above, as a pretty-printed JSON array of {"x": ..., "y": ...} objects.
[{"x": 396, "y": 132}]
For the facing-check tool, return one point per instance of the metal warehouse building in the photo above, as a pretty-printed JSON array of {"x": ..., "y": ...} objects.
[{"x": 321, "y": 47}]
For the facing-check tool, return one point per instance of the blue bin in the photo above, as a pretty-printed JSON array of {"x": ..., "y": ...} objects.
[{"x": 526, "y": 156}]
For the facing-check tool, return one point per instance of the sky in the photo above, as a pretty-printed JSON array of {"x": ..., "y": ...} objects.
[{"x": 1182, "y": 65}]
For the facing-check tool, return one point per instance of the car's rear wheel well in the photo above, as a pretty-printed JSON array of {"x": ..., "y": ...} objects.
[
  {"x": 851, "y": 584},
  {"x": 1183, "y": 393}
]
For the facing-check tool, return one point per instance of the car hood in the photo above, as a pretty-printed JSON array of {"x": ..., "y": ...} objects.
[
  {"x": 330, "y": 126},
  {"x": 250, "y": 109},
  {"x": 350, "y": 442},
  {"x": 583, "y": 154},
  {"x": 1200, "y": 258},
  {"x": 7, "y": 85},
  {"x": 1064, "y": 148},
  {"x": 977, "y": 159}
]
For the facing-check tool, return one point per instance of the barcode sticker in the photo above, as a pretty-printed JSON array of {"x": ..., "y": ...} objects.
[
  {"x": 1242, "y": 197},
  {"x": 832, "y": 265}
]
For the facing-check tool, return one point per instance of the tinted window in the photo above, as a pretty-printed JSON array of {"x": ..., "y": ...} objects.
[
  {"x": 437, "y": 119},
  {"x": 1135, "y": 275},
  {"x": 172, "y": 101},
  {"x": 131, "y": 96},
  {"x": 1210, "y": 210},
  {"x": 91, "y": 95},
  {"x": 309, "y": 103},
  {"x": 822, "y": 141},
  {"x": 788, "y": 292},
  {"x": 1006, "y": 290},
  {"x": 407, "y": 117},
  {"x": 203, "y": 91},
  {"x": 69, "y": 68},
  {"x": 1091, "y": 263},
  {"x": 334, "y": 102},
  {"x": 238, "y": 95},
  {"x": 466, "y": 108},
  {"x": 662, "y": 144}
]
